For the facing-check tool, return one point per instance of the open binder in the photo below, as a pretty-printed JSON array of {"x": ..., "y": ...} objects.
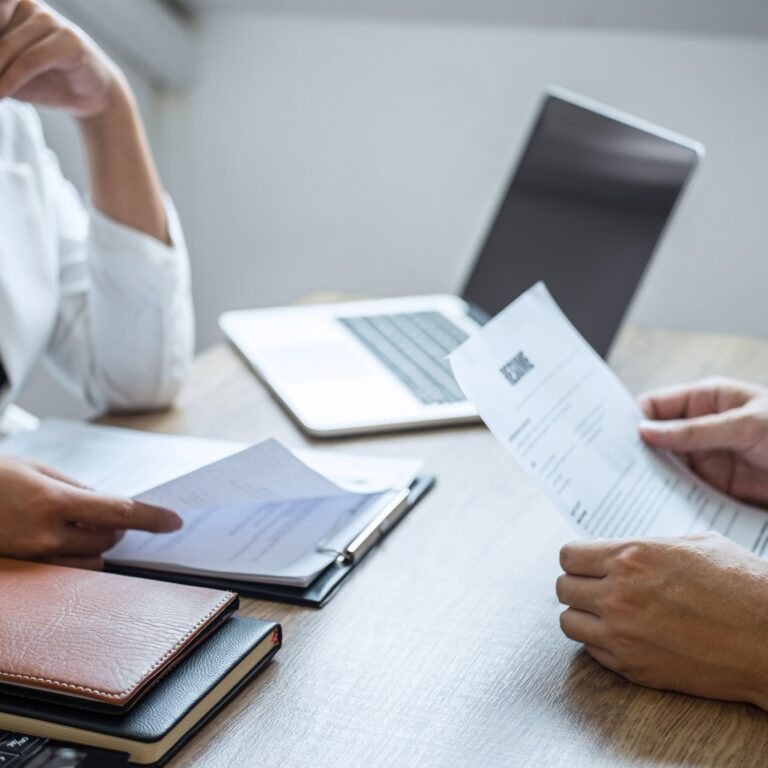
[{"x": 327, "y": 583}]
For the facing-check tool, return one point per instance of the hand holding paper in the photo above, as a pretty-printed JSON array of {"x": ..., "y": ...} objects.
[
  {"x": 571, "y": 424},
  {"x": 685, "y": 613},
  {"x": 720, "y": 426}
]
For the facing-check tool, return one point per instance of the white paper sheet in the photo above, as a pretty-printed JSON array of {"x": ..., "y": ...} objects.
[
  {"x": 363, "y": 474},
  {"x": 258, "y": 514},
  {"x": 261, "y": 515},
  {"x": 571, "y": 424},
  {"x": 123, "y": 462},
  {"x": 126, "y": 462}
]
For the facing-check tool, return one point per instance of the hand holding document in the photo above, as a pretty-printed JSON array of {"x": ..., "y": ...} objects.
[
  {"x": 260, "y": 514},
  {"x": 255, "y": 513},
  {"x": 570, "y": 423}
]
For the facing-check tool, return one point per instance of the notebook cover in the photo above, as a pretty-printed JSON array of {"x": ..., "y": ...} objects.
[
  {"x": 316, "y": 595},
  {"x": 96, "y": 640},
  {"x": 166, "y": 705}
]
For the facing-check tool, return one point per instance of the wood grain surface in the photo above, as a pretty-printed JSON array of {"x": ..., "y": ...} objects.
[{"x": 445, "y": 649}]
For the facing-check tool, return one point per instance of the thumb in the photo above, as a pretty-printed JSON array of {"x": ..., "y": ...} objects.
[{"x": 704, "y": 433}]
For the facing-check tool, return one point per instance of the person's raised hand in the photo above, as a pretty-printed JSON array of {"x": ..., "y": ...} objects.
[
  {"x": 46, "y": 516},
  {"x": 688, "y": 614},
  {"x": 719, "y": 427},
  {"x": 46, "y": 60}
]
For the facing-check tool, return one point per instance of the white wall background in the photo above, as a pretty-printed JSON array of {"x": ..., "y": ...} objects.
[{"x": 365, "y": 156}]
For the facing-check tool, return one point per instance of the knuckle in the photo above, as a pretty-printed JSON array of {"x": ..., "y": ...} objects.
[
  {"x": 623, "y": 644},
  {"x": 47, "y": 501},
  {"x": 123, "y": 511},
  {"x": 618, "y": 603},
  {"x": 42, "y": 18},
  {"x": 689, "y": 431},
  {"x": 632, "y": 559},
  {"x": 69, "y": 37}
]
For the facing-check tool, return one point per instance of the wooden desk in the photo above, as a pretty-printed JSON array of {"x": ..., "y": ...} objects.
[{"x": 444, "y": 649}]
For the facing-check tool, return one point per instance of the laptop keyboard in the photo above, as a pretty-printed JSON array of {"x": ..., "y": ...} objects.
[
  {"x": 415, "y": 347},
  {"x": 17, "y": 750}
]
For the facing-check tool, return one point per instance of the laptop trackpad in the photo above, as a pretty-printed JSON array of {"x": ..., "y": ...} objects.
[{"x": 318, "y": 361}]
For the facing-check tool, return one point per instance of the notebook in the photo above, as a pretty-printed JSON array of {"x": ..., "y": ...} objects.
[
  {"x": 172, "y": 711},
  {"x": 95, "y": 640}
]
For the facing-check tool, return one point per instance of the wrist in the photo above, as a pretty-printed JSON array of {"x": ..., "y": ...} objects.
[{"x": 118, "y": 107}]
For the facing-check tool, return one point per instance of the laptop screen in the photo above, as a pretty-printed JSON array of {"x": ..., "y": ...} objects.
[{"x": 583, "y": 212}]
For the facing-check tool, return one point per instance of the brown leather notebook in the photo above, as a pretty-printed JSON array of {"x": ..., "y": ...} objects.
[{"x": 96, "y": 640}]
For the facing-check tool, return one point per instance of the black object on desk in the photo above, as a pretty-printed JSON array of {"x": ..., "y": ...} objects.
[{"x": 20, "y": 751}]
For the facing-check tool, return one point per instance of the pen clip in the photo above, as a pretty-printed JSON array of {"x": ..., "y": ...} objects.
[{"x": 372, "y": 532}]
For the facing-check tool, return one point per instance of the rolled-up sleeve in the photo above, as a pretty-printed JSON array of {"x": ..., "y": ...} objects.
[{"x": 124, "y": 334}]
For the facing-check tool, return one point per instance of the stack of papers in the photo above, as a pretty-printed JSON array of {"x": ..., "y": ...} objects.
[
  {"x": 258, "y": 514},
  {"x": 569, "y": 422}
]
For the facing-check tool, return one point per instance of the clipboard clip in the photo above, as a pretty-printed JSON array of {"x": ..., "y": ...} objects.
[{"x": 373, "y": 531}]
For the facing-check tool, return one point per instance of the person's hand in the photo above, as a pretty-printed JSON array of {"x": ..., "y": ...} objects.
[
  {"x": 45, "y": 516},
  {"x": 688, "y": 614},
  {"x": 46, "y": 60},
  {"x": 719, "y": 427}
]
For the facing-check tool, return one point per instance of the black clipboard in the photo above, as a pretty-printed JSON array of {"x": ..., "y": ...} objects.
[{"x": 317, "y": 594}]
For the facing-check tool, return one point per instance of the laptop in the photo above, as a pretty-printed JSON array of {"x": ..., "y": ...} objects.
[{"x": 584, "y": 211}]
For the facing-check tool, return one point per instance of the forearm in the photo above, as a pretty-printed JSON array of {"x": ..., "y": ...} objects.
[{"x": 124, "y": 182}]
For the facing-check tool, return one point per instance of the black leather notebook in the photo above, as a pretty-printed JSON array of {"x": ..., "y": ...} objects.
[
  {"x": 316, "y": 595},
  {"x": 168, "y": 715}
]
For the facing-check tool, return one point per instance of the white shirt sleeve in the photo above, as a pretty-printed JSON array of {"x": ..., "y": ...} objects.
[{"x": 124, "y": 336}]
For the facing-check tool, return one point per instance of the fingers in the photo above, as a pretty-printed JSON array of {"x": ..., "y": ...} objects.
[
  {"x": 98, "y": 511},
  {"x": 697, "y": 399},
  {"x": 32, "y": 29},
  {"x": 705, "y": 433},
  {"x": 24, "y": 10},
  {"x": 582, "y": 627},
  {"x": 589, "y": 558},
  {"x": 580, "y": 592},
  {"x": 53, "y": 50}
]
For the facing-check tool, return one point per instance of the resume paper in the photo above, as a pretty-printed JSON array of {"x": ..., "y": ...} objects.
[{"x": 570, "y": 423}]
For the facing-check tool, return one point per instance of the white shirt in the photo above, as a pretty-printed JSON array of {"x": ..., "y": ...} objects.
[{"x": 107, "y": 307}]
